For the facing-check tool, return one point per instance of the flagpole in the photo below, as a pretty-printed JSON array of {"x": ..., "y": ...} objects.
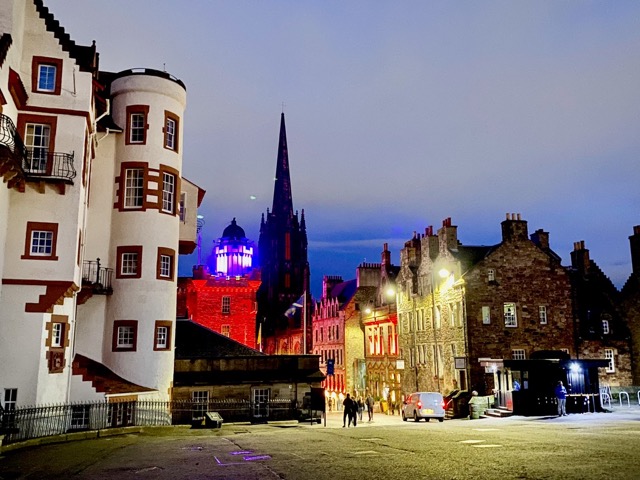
[{"x": 304, "y": 321}]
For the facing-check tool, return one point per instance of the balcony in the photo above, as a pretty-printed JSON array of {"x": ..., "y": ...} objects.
[
  {"x": 96, "y": 279},
  {"x": 40, "y": 164},
  {"x": 12, "y": 153}
]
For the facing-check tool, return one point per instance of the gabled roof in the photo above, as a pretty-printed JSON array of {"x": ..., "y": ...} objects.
[
  {"x": 344, "y": 291},
  {"x": 195, "y": 341},
  {"x": 468, "y": 256},
  {"x": 86, "y": 57}
]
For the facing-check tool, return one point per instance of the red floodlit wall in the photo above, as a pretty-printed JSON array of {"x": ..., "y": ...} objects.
[{"x": 234, "y": 317}]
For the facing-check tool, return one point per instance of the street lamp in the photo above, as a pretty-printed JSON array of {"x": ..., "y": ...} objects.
[{"x": 443, "y": 273}]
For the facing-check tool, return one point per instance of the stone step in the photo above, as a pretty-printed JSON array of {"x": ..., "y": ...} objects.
[{"x": 498, "y": 412}]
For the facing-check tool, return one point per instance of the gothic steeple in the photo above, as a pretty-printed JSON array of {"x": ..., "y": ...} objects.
[{"x": 282, "y": 200}]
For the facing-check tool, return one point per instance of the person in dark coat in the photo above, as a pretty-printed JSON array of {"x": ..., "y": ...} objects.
[{"x": 347, "y": 409}]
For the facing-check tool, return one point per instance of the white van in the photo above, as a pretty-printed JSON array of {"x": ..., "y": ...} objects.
[{"x": 423, "y": 405}]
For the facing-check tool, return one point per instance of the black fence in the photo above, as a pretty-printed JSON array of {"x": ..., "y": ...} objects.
[
  {"x": 96, "y": 277},
  {"x": 42, "y": 164},
  {"x": 33, "y": 422}
]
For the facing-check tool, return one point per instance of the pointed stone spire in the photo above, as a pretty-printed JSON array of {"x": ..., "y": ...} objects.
[{"x": 282, "y": 199}]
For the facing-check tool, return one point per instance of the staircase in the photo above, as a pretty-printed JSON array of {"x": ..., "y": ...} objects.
[{"x": 498, "y": 412}]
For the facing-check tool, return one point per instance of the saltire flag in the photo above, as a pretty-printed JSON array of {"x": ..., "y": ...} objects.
[{"x": 295, "y": 306}]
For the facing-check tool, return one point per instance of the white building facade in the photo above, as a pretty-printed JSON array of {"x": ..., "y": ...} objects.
[{"x": 90, "y": 218}]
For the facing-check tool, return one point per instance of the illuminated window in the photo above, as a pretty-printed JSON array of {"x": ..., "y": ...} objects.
[
  {"x": 125, "y": 335},
  {"x": 609, "y": 355},
  {"x": 226, "y": 330},
  {"x": 168, "y": 192},
  {"x": 605, "y": 326},
  {"x": 518, "y": 354},
  {"x": 226, "y": 304},
  {"x": 134, "y": 188},
  {"x": 542, "y": 314},
  {"x": 491, "y": 275},
  {"x": 510, "y": 319}
]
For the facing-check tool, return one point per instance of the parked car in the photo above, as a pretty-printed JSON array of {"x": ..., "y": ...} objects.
[{"x": 425, "y": 405}]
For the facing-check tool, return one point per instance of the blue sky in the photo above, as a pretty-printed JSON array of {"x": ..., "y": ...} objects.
[{"x": 399, "y": 114}]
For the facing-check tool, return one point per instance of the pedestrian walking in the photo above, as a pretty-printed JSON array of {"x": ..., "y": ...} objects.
[
  {"x": 353, "y": 414},
  {"x": 369, "y": 402},
  {"x": 561, "y": 395},
  {"x": 347, "y": 407},
  {"x": 360, "y": 408}
]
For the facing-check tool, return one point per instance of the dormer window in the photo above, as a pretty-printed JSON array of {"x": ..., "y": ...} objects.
[{"x": 605, "y": 327}]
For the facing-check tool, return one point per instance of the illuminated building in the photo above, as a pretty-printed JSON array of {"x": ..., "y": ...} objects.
[
  {"x": 337, "y": 335},
  {"x": 233, "y": 252},
  {"x": 224, "y": 301}
]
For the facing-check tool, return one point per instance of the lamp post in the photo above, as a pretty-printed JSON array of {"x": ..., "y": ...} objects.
[{"x": 443, "y": 273}]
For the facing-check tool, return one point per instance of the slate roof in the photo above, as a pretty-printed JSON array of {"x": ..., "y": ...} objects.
[
  {"x": 195, "y": 341},
  {"x": 344, "y": 291},
  {"x": 103, "y": 379}
]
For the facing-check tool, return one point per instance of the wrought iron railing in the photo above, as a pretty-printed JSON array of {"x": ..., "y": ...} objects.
[
  {"x": 10, "y": 139},
  {"x": 26, "y": 423},
  {"x": 96, "y": 277},
  {"x": 40, "y": 163}
]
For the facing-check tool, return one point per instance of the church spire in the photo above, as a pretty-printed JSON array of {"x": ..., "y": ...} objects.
[{"x": 282, "y": 200}]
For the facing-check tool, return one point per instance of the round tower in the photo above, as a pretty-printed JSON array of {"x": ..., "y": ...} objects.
[{"x": 139, "y": 337}]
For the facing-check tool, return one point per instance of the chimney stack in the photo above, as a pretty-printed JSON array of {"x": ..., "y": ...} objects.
[
  {"x": 386, "y": 256},
  {"x": 514, "y": 228},
  {"x": 580, "y": 257},
  {"x": 541, "y": 239},
  {"x": 448, "y": 235},
  {"x": 634, "y": 241}
]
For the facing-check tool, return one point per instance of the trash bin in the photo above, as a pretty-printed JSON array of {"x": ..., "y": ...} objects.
[
  {"x": 212, "y": 420},
  {"x": 474, "y": 411}
]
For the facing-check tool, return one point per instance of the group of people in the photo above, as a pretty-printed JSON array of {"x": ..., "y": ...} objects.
[{"x": 353, "y": 409}]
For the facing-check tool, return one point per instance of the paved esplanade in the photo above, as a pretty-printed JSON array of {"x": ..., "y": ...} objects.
[{"x": 589, "y": 446}]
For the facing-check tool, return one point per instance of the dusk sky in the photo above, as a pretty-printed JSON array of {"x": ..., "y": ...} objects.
[{"x": 399, "y": 114}]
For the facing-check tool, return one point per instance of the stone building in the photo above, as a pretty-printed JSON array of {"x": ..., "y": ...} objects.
[
  {"x": 601, "y": 329},
  {"x": 241, "y": 383},
  {"x": 333, "y": 320},
  {"x": 630, "y": 303},
  {"x": 376, "y": 302},
  {"x": 465, "y": 310}
]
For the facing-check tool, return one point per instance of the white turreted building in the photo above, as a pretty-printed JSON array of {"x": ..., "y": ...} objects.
[{"x": 93, "y": 215}]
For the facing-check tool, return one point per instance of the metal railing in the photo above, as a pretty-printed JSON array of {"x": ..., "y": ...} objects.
[
  {"x": 40, "y": 163},
  {"x": 26, "y": 423},
  {"x": 10, "y": 139},
  {"x": 96, "y": 277}
]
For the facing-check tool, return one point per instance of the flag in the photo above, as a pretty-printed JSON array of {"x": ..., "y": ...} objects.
[
  {"x": 295, "y": 306},
  {"x": 259, "y": 342}
]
